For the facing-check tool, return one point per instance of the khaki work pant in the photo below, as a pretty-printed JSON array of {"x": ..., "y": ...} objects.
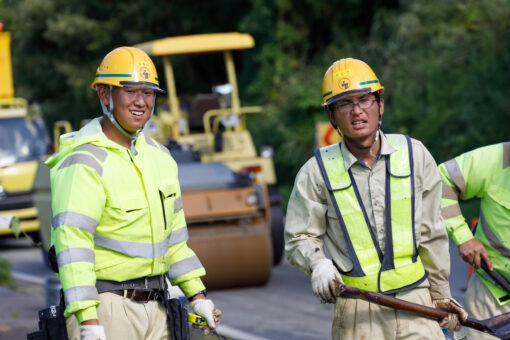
[
  {"x": 356, "y": 319},
  {"x": 123, "y": 318},
  {"x": 480, "y": 305}
]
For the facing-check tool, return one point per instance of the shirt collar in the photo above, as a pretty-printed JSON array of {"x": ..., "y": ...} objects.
[{"x": 350, "y": 159}]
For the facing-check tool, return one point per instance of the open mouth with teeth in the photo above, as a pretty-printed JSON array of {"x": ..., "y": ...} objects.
[
  {"x": 137, "y": 113},
  {"x": 359, "y": 122}
]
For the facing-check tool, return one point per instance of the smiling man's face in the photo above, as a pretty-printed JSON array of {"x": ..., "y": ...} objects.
[{"x": 132, "y": 107}]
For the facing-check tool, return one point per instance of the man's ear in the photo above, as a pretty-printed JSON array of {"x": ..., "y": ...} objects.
[
  {"x": 331, "y": 117},
  {"x": 103, "y": 92},
  {"x": 381, "y": 108}
]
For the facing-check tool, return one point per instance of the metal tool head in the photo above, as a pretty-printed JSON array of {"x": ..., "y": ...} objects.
[{"x": 499, "y": 325}]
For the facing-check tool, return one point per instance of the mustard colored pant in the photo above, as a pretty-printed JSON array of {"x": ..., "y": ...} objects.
[
  {"x": 123, "y": 318},
  {"x": 356, "y": 319}
]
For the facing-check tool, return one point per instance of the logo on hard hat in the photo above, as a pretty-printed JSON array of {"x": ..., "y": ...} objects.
[
  {"x": 144, "y": 73},
  {"x": 344, "y": 83}
]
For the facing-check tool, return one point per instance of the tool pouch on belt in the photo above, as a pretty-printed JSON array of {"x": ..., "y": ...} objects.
[
  {"x": 52, "y": 323},
  {"x": 177, "y": 318}
]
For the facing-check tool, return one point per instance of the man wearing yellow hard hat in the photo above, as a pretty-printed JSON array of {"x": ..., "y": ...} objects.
[
  {"x": 118, "y": 225},
  {"x": 373, "y": 201}
]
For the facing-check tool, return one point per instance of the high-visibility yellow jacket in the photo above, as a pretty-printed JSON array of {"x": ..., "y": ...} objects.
[
  {"x": 482, "y": 173},
  {"x": 400, "y": 268},
  {"x": 117, "y": 217}
]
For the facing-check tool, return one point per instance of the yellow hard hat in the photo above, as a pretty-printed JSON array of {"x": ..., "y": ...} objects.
[
  {"x": 346, "y": 78},
  {"x": 127, "y": 67}
]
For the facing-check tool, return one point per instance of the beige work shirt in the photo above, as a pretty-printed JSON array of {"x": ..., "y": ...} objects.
[{"x": 312, "y": 222}]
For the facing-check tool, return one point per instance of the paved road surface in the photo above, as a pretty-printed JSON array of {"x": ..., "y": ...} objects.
[{"x": 284, "y": 309}]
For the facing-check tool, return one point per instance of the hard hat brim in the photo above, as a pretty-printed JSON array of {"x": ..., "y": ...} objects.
[
  {"x": 346, "y": 95},
  {"x": 142, "y": 86}
]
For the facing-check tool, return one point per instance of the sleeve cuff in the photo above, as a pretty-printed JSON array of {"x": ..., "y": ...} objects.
[
  {"x": 440, "y": 291},
  {"x": 86, "y": 314},
  {"x": 191, "y": 287},
  {"x": 461, "y": 234}
]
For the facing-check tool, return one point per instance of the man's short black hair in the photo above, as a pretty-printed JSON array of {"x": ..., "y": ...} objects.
[{"x": 377, "y": 97}]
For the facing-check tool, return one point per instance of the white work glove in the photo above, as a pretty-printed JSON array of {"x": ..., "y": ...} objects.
[
  {"x": 92, "y": 332},
  {"x": 325, "y": 280},
  {"x": 206, "y": 309},
  {"x": 451, "y": 322}
]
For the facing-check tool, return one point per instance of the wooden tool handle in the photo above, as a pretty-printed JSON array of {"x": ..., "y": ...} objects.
[{"x": 388, "y": 301}]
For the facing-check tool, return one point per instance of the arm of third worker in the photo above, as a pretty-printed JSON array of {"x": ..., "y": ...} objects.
[{"x": 463, "y": 177}]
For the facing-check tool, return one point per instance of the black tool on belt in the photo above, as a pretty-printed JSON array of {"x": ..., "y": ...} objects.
[
  {"x": 52, "y": 323},
  {"x": 177, "y": 317}
]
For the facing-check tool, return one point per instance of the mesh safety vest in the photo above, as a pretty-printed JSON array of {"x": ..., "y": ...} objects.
[{"x": 400, "y": 267}]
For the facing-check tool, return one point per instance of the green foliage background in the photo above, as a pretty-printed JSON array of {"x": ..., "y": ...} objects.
[{"x": 444, "y": 63}]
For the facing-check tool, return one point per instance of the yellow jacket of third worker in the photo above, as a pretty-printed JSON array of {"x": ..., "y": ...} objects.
[{"x": 482, "y": 173}]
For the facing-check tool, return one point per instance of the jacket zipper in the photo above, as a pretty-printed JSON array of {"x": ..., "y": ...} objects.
[{"x": 163, "y": 207}]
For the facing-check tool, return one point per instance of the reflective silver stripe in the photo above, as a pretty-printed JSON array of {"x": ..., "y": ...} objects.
[
  {"x": 164, "y": 149},
  {"x": 82, "y": 159},
  {"x": 76, "y": 220},
  {"x": 95, "y": 150},
  {"x": 156, "y": 145},
  {"x": 451, "y": 193},
  {"x": 455, "y": 174},
  {"x": 72, "y": 255},
  {"x": 80, "y": 293},
  {"x": 68, "y": 136},
  {"x": 506, "y": 155},
  {"x": 150, "y": 142},
  {"x": 451, "y": 211},
  {"x": 178, "y": 236},
  {"x": 493, "y": 239},
  {"x": 134, "y": 249},
  {"x": 183, "y": 267},
  {"x": 178, "y": 204}
]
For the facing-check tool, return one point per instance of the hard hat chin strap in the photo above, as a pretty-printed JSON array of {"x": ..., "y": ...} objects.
[
  {"x": 372, "y": 154},
  {"x": 111, "y": 117}
]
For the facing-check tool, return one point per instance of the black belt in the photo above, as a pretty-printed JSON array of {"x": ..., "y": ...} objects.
[{"x": 142, "y": 283}]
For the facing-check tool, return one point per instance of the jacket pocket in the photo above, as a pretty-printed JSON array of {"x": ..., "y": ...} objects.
[
  {"x": 128, "y": 203},
  {"x": 169, "y": 194},
  {"x": 123, "y": 211}
]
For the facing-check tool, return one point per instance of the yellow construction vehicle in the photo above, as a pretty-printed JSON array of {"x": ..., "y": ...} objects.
[
  {"x": 212, "y": 114},
  {"x": 23, "y": 139},
  {"x": 213, "y": 125},
  {"x": 224, "y": 183}
]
